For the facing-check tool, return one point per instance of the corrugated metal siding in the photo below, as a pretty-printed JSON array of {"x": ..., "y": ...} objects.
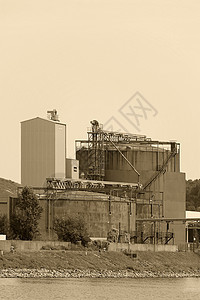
[{"x": 37, "y": 151}]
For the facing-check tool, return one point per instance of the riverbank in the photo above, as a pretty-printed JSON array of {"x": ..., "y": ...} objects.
[
  {"x": 79, "y": 264},
  {"x": 45, "y": 273}
]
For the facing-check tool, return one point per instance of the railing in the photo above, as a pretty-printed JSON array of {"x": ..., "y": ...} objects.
[
  {"x": 78, "y": 184},
  {"x": 151, "y": 238}
]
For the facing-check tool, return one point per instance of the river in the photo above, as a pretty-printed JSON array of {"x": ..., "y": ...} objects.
[{"x": 99, "y": 288}]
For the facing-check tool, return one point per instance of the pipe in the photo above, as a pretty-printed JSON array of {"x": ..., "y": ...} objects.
[{"x": 130, "y": 164}]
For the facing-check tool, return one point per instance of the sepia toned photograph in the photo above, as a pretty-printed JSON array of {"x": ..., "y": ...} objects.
[{"x": 99, "y": 156}]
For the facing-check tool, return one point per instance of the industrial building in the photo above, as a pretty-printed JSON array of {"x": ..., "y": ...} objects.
[
  {"x": 154, "y": 165},
  {"x": 43, "y": 150},
  {"x": 118, "y": 181},
  {"x": 193, "y": 228}
]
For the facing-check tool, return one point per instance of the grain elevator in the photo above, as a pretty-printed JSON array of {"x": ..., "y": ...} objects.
[{"x": 43, "y": 150}]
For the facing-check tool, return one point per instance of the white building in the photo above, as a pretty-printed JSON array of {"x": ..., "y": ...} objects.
[{"x": 193, "y": 227}]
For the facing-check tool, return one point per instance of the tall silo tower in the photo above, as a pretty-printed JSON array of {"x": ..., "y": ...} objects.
[{"x": 43, "y": 150}]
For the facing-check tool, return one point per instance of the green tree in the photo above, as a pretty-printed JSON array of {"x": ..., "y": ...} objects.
[
  {"x": 193, "y": 195},
  {"x": 24, "y": 221},
  {"x": 71, "y": 229}
]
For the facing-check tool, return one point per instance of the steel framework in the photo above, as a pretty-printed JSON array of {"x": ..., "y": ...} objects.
[
  {"x": 91, "y": 152},
  {"x": 98, "y": 141}
]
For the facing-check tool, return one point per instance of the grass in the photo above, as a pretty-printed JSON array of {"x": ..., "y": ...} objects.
[{"x": 93, "y": 260}]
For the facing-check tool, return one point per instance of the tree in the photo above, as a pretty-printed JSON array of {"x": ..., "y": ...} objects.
[
  {"x": 24, "y": 221},
  {"x": 71, "y": 229},
  {"x": 4, "y": 228},
  {"x": 193, "y": 195}
]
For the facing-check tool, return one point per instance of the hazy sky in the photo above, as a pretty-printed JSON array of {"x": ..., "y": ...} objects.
[{"x": 87, "y": 58}]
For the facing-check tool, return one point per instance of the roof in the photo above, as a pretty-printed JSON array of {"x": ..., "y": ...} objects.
[
  {"x": 8, "y": 188},
  {"x": 47, "y": 120}
]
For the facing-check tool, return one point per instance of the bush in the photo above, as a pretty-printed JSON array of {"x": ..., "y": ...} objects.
[
  {"x": 113, "y": 235},
  {"x": 49, "y": 247},
  {"x": 71, "y": 229},
  {"x": 101, "y": 245}
]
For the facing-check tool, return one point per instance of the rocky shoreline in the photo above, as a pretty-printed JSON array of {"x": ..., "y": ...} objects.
[{"x": 66, "y": 273}]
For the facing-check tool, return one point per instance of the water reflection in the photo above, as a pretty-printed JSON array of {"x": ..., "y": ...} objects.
[{"x": 100, "y": 288}]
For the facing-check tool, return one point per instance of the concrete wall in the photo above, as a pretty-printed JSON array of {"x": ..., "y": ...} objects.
[
  {"x": 99, "y": 213},
  {"x": 142, "y": 247},
  {"x": 31, "y": 245},
  {"x": 43, "y": 151},
  {"x": 175, "y": 192},
  {"x": 37, "y": 246},
  {"x": 175, "y": 203}
]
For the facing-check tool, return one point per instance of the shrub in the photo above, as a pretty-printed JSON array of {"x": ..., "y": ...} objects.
[{"x": 71, "y": 229}]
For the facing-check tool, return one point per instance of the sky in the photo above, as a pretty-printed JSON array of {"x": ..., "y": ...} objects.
[{"x": 133, "y": 65}]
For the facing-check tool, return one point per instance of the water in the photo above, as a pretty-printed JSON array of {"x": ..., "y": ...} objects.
[{"x": 99, "y": 288}]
